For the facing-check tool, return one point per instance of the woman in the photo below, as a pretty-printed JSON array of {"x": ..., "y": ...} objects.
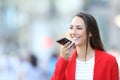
[{"x": 85, "y": 58}]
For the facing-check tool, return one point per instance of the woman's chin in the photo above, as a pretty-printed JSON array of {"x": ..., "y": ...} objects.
[{"x": 77, "y": 44}]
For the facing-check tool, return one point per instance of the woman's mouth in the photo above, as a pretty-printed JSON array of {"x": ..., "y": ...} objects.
[{"x": 75, "y": 39}]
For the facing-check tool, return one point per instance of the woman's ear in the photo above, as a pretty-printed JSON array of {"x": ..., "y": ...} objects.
[{"x": 90, "y": 35}]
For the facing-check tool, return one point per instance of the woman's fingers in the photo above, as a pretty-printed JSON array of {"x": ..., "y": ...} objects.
[
  {"x": 67, "y": 44},
  {"x": 70, "y": 46},
  {"x": 67, "y": 50}
]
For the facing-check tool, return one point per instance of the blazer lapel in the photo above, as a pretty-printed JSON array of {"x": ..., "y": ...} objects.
[
  {"x": 97, "y": 65},
  {"x": 72, "y": 67}
]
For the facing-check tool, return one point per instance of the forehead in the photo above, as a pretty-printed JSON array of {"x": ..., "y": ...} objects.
[{"x": 77, "y": 21}]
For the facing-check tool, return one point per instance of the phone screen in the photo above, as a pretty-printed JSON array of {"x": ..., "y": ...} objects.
[{"x": 63, "y": 41}]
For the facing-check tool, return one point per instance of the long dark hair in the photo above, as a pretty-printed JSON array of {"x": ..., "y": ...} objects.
[{"x": 92, "y": 27}]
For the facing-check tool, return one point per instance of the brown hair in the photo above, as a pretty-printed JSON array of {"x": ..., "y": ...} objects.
[{"x": 91, "y": 27}]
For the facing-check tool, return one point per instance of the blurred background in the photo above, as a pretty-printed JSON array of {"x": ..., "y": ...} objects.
[{"x": 33, "y": 26}]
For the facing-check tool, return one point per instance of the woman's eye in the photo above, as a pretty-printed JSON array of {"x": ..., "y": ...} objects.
[
  {"x": 79, "y": 28},
  {"x": 70, "y": 27}
]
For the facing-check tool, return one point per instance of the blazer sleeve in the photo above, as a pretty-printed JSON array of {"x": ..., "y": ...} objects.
[
  {"x": 115, "y": 71},
  {"x": 60, "y": 68}
]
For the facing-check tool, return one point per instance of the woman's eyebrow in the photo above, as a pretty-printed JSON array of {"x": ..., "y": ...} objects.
[
  {"x": 79, "y": 26},
  {"x": 71, "y": 25},
  {"x": 76, "y": 26}
]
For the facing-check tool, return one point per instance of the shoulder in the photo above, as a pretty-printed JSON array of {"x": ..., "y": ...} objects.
[{"x": 105, "y": 56}]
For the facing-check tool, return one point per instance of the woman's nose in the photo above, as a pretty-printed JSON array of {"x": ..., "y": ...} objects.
[{"x": 73, "y": 31}]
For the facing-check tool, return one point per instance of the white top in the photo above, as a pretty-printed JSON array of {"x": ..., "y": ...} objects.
[{"x": 84, "y": 70}]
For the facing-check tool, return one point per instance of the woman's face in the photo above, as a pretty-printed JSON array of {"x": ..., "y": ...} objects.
[{"x": 78, "y": 31}]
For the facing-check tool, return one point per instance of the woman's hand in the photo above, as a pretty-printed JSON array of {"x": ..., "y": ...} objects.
[{"x": 66, "y": 50}]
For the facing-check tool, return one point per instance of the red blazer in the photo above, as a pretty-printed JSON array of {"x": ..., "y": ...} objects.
[{"x": 105, "y": 67}]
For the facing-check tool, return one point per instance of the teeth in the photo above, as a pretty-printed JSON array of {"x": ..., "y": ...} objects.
[{"x": 74, "y": 39}]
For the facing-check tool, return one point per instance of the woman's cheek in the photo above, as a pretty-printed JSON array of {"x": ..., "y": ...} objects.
[{"x": 70, "y": 35}]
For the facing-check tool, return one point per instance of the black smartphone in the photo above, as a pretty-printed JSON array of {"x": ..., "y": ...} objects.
[{"x": 63, "y": 41}]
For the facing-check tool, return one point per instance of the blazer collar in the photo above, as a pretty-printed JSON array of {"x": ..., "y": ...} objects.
[{"x": 72, "y": 65}]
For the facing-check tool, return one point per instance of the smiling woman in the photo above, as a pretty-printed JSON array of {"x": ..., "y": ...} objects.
[
  {"x": 88, "y": 59},
  {"x": 78, "y": 31}
]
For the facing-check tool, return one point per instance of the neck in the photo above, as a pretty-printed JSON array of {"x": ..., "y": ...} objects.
[{"x": 81, "y": 53}]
